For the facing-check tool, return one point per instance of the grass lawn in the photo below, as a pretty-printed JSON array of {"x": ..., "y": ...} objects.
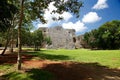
[
  {"x": 109, "y": 58},
  {"x": 33, "y": 74}
]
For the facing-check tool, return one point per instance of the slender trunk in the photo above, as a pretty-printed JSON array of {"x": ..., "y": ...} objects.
[
  {"x": 19, "y": 37},
  {"x": 11, "y": 46},
  {"x": 12, "y": 33},
  {"x": 7, "y": 42},
  {"x": 19, "y": 51}
]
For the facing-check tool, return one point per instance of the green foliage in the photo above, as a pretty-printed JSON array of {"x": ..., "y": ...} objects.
[
  {"x": 6, "y": 10},
  {"x": 26, "y": 37},
  {"x": 35, "y": 38},
  {"x": 105, "y": 37},
  {"x": 5, "y": 68},
  {"x": 3, "y": 37},
  {"x": 30, "y": 10},
  {"x": 38, "y": 39},
  {"x": 37, "y": 8},
  {"x": 48, "y": 40},
  {"x": 33, "y": 10}
]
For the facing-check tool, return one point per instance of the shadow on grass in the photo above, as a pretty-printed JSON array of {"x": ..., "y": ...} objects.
[
  {"x": 42, "y": 55},
  {"x": 67, "y": 71},
  {"x": 26, "y": 56},
  {"x": 32, "y": 74},
  {"x": 82, "y": 71},
  {"x": 12, "y": 58},
  {"x": 38, "y": 74}
]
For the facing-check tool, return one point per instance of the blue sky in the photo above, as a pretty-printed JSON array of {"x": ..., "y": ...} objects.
[{"x": 93, "y": 14}]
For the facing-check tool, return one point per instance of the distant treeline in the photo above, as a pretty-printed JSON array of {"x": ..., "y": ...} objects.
[{"x": 107, "y": 36}]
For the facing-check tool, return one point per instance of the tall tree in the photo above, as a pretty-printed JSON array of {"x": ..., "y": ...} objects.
[
  {"x": 37, "y": 39},
  {"x": 19, "y": 33},
  {"x": 7, "y": 10},
  {"x": 36, "y": 9}
]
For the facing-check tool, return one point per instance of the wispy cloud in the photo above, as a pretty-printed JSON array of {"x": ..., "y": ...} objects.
[
  {"x": 66, "y": 24},
  {"x": 91, "y": 17},
  {"x": 49, "y": 16},
  {"x": 101, "y": 4},
  {"x": 78, "y": 26}
]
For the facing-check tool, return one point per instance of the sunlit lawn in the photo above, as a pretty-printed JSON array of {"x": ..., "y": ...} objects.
[{"x": 109, "y": 58}]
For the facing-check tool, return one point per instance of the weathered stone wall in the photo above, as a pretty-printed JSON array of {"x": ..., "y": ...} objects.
[
  {"x": 62, "y": 38},
  {"x": 79, "y": 42}
]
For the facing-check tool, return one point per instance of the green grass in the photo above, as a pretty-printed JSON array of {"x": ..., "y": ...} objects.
[
  {"x": 33, "y": 74},
  {"x": 6, "y": 68},
  {"x": 109, "y": 58}
]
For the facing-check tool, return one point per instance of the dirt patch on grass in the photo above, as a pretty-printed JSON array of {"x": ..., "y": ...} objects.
[
  {"x": 75, "y": 70},
  {"x": 65, "y": 70},
  {"x": 12, "y": 58}
]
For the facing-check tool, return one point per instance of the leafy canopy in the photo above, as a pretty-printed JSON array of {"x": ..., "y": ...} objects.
[
  {"x": 35, "y": 9},
  {"x": 106, "y": 36},
  {"x": 6, "y": 12}
]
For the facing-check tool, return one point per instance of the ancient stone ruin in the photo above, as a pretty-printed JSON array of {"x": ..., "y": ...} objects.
[{"x": 61, "y": 38}]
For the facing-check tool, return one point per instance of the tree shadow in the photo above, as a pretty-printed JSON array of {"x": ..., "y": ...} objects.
[
  {"x": 26, "y": 56},
  {"x": 12, "y": 58},
  {"x": 32, "y": 74},
  {"x": 62, "y": 70},
  {"x": 39, "y": 74},
  {"x": 43, "y": 55},
  {"x": 82, "y": 71},
  {"x": 67, "y": 71}
]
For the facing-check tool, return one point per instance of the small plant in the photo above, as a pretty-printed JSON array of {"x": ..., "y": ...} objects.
[{"x": 48, "y": 40}]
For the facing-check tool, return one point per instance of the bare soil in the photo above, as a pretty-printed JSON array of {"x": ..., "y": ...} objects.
[{"x": 65, "y": 70}]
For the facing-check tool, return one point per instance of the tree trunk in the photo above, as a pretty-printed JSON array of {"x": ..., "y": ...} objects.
[
  {"x": 19, "y": 36},
  {"x": 12, "y": 34},
  {"x": 7, "y": 42},
  {"x": 11, "y": 45}
]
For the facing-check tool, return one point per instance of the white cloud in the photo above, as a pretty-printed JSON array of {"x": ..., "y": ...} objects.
[
  {"x": 91, "y": 17},
  {"x": 101, "y": 4},
  {"x": 49, "y": 15},
  {"x": 66, "y": 16},
  {"x": 64, "y": 0},
  {"x": 78, "y": 26}
]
